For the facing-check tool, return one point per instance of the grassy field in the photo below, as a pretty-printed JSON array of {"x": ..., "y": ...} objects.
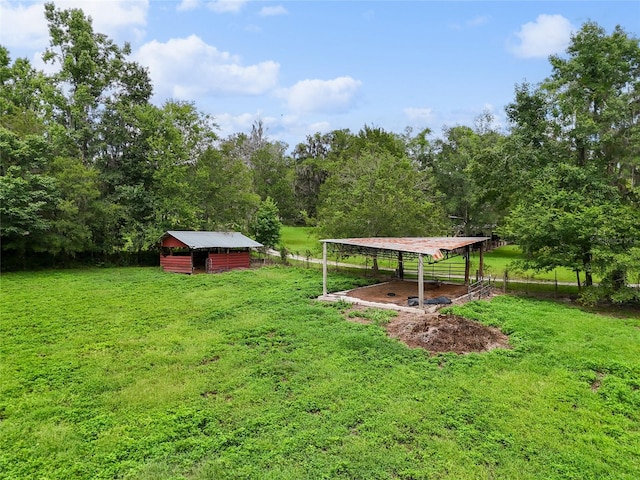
[
  {"x": 301, "y": 241},
  {"x": 135, "y": 373}
]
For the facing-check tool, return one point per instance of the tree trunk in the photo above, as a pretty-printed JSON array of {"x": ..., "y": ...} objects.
[{"x": 586, "y": 261}]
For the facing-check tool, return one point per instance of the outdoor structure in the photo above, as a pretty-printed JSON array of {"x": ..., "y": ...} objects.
[
  {"x": 431, "y": 249},
  {"x": 200, "y": 252}
]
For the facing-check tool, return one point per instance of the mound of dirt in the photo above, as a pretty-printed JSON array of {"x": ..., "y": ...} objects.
[{"x": 445, "y": 333}]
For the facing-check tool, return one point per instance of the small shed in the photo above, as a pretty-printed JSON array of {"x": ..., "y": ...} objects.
[{"x": 204, "y": 252}]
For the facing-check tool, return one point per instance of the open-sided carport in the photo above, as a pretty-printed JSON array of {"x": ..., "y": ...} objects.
[{"x": 433, "y": 248}]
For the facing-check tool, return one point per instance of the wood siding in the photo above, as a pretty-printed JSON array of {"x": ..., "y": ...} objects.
[
  {"x": 170, "y": 241},
  {"x": 176, "y": 263},
  {"x": 228, "y": 261}
]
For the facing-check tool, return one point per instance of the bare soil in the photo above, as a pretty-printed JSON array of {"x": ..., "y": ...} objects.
[
  {"x": 440, "y": 333},
  {"x": 398, "y": 291}
]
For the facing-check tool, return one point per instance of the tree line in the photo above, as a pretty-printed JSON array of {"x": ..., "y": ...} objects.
[{"x": 90, "y": 167}]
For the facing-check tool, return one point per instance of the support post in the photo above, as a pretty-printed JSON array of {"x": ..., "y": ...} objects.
[
  {"x": 467, "y": 264},
  {"x": 420, "y": 281},
  {"x": 481, "y": 268},
  {"x": 400, "y": 266},
  {"x": 324, "y": 268}
]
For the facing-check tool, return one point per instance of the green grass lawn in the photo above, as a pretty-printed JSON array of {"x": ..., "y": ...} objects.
[
  {"x": 136, "y": 373},
  {"x": 301, "y": 241}
]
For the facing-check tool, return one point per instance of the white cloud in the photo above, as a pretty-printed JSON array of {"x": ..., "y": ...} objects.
[
  {"x": 273, "y": 11},
  {"x": 26, "y": 27},
  {"x": 479, "y": 20},
  {"x": 186, "y": 68},
  {"x": 111, "y": 16},
  {"x": 321, "y": 96},
  {"x": 188, "y": 5},
  {"x": 473, "y": 22},
  {"x": 230, "y": 124},
  {"x": 23, "y": 26},
  {"x": 419, "y": 114},
  {"x": 548, "y": 35},
  {"x": 226, "y": 6}
]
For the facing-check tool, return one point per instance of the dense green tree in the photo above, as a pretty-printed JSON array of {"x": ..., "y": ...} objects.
[
  {"x": 313, "y": 160},
  {"x": 378, "y": 195},
  {"x": 419, "y": 148},
  {"x": 265, "y": 225},
  {"x": 272, "y": 172},
  {"x": 595, "y": 90},
  {"x": 29, "y": 195},
  {"x": 94, "y": 73},
  {"x": 577, "y": 197},
  {"x": 459, "y": 164},
  {"x": 27, "y": 204},
  {"x": 222, "y": 190},
  {"x": 78, "y": 213}
]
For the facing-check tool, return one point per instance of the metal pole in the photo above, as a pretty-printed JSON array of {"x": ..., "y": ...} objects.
[
  {"x": 420, "y": 281},
  {"x": 324, "y": 268},
  {"x": 467, "y": 263}
]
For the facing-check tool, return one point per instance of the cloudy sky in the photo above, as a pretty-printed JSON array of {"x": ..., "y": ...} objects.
[{"x": 314, "y": 66}]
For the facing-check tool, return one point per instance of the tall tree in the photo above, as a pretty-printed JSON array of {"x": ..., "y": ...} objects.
[
  {"x": 222, "y": 191},
  {"x": 313, "y": 161},
  {"x": 580, "y": 208},
  {"x": 29, "y": 195},
  {"x": 266, "y": 225},
  {"x": 460, "y": 164},
  {"x": 596, "y": 92},
  {"x": 377, "y": 194}
]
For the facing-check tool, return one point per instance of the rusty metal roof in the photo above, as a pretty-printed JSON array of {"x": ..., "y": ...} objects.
[
  {"x": 196, "y": 240},
  {"x": 432, "y": 246}
]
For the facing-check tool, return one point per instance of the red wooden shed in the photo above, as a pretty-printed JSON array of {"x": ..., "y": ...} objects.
[{"x": 200, "y": 252}]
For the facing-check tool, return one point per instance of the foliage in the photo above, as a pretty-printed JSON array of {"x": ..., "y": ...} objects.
[
  {"x": 265, "y": 226},
  {"x": 579, "y": 207},
  {"x": 459, "y": 167},
  {"x": 377, "y": 194},
  {"x": 135, "y": 373}
]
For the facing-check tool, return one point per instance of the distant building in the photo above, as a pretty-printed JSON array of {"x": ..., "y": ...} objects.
[{"x": 205, "y": 252}]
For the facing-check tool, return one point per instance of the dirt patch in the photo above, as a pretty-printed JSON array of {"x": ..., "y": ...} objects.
[
  {"x": 443, "y": 333},
  {"x": 398, "y": 292}
]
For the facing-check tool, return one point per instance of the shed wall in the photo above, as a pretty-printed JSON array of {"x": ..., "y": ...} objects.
[
  {"x": 176, "y": 263},
  {"x": 170, "y": 241},
  {"x": 228, "y": 261}
]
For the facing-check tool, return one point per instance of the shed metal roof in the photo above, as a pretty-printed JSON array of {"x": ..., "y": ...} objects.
[
  {"x": 432, "y": 246},
  {"x": 196, "y": 240}
]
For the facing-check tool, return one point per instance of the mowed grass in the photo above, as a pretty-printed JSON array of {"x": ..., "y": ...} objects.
[
  {"x": 136, "y": 373},
  {"x": 301, "y": 241}
]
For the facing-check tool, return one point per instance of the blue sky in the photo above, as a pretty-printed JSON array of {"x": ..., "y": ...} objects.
[{"x": 314, "y": 66}]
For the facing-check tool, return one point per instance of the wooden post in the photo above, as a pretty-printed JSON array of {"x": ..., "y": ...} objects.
[
  {"x": 324, "y": 268},
  {"x": 467, "y": 264},
  {"x": 481, "y": 268},
  {"x": 400, "y": 266},
  {"x": 420, "y": 281}
]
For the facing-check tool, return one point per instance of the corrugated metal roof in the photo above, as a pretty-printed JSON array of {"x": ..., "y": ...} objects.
[
  {"x": 197, "y": 240},
  {"x": 432, "y": 246}
]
